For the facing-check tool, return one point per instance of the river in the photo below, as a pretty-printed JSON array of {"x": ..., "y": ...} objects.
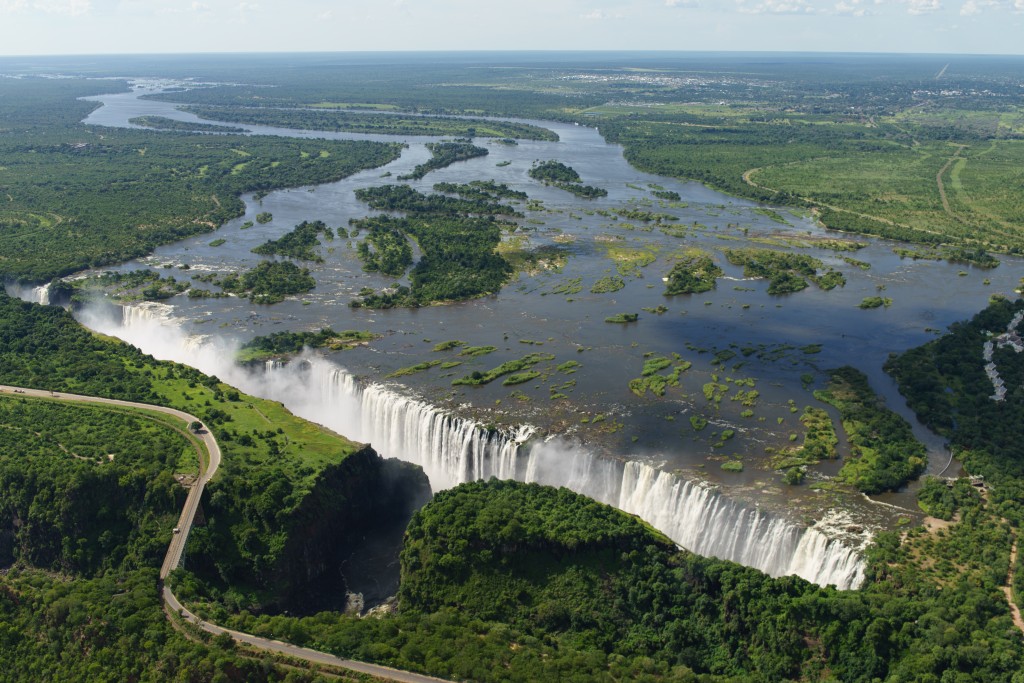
[{"x": 585, "y": 429}]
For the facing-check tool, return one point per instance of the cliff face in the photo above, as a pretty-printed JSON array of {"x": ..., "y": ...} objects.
[{"x": 358, "y": 500}]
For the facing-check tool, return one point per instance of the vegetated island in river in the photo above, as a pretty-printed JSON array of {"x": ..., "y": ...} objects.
[
  {"x": 445, "y": 154},
  {"x": 300, "y": 243},
  {"x": 457, "y": 237},
  {"x": 375, "y": 123},
  {"x": 286, "y": 344},
  {"x": 164, "y": 123},
  {"x": 565, "y": 178},
  {"x": 269, "y": 282}
]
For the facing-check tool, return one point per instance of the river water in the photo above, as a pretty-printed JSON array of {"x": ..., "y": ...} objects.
[{"x": 782, "y": 343}]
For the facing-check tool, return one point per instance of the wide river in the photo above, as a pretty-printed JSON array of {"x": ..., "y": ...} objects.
[{"x": 780, "y": 345}]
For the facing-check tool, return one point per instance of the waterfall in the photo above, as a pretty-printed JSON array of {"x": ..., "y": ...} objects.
[
  {"x": 452, "y": 450},
  {"x": 147, "y": 313},
  {"x": 41, "y": 294},
  {"x": 36, "y": 295}
]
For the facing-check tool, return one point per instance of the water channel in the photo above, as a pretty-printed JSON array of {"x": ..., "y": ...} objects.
[{"x": 595, "y": 435}]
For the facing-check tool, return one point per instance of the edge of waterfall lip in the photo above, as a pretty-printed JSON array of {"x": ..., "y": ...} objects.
[{"x": 834, "y": 523}]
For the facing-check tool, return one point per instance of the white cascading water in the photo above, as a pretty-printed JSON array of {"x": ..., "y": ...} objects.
[
  {"x": 42, "y": 294},
  {"x": 452, "y": 450},
  {"x": 37, "y": 295}
]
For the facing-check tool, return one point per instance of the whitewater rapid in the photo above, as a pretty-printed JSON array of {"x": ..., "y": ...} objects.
[{"x": 452, "y": 450}]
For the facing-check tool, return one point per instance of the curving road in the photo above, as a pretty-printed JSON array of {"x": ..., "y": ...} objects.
[
  {"x": 173, "y": 557},
  {"x": 188, "y": 513}
]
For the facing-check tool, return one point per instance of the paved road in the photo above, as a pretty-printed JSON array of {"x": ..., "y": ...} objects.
[
  {"x": 295, "y": 651},
  {"x": 173, "y": 557}
]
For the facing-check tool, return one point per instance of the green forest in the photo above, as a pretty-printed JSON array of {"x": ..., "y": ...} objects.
[
  {"x": 95, "y": 496},
  {"x": 444, "y": 154},
  {"x": 457, "y": 237},
  {"x": 301, "y": 243},
  {"x": 500, "y": 581},
  {"x": 527, "y": 582},
  {"x": 339, "y": 119},
  {"x": 79, "y": 197},
  {"x": 503, "y": 581}
]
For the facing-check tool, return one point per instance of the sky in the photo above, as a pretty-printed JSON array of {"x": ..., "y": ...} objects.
[{"x": 42, "y": 27}]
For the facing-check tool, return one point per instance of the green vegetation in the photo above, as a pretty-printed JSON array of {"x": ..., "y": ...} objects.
[
  {"x": 481, "y": 190},
  {"x": 277, "y": 469},
  {"x": 405, "y": 198},
  {"x": 264, "y": 217},
  {"x": 565, "y": 178},
  {"x": 110, "y": 626},
  {"x": 391, "y": 253},
  {"x": 79, "y": 197},
  {"x": 785, "y": 271},
  {"x": 448, "y": 345},
  {"x": 445, "y": 154},
  {"x": 268, "y": 283},
  {"x": 607, "y": 284},
  {"x": 945, "y": 384},
  {"x": 917, "y": 170},
  {"x": 56, "y": 452},
  {"x": 977, "y": 256},
  {"x": 875, "y": 302},
  {"x": 413, "y": 369},
  {"x": 95, "y": 491},
  {"x": 774, "y": 215},
  {"x": 520, "y": 378},
  {"x": 651, "y": 380},
  {"x": 884, "y": 455},
  {"x": 380, "y": 124},
  {"x": 942, "y": 499},
  {"x": 569, "y": 367},
  {"x": 281, "y": 344},
  {"x": 477, "y": 378},
  {"x": 133, "y": 285},
  {"x": 623, "y": 318},
  {"x": 458, "y": 240},
  {"x": 474, "y": 351},
  {"x": 820, "y": 442},
  {"x": 693, "y": 273},
  {"x": 554, "y": 172},
  {"x": 630, "y": 261},
  {"x": 300, "y": 243},
  {"x": 507, "y": 581},
  {"x": 164, "y": 123}
]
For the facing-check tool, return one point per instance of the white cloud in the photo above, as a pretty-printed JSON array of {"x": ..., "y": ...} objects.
[
  {"x": 969, "y": 8},
  {"x": 600, "y": 15},
  {"x": 774, "y": 7},
  {"x": 854, "y": 8},
  {"x": 70, "y": 8},
  {"x": 923, "y": 6}
]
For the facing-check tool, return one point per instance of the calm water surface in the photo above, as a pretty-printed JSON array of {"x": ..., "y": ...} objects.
[{"x": 780, "y": 342}]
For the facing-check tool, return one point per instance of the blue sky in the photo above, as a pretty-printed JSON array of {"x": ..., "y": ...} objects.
[{"x": 32, "y": 27}]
